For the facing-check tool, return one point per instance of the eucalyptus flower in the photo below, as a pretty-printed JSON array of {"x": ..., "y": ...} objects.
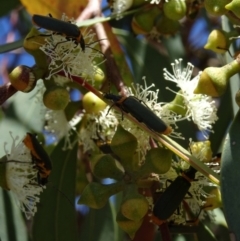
[
  {"x": 67, "y": 56},
  {"x": 200, "y": 108},
  {"x": 21, "y": 177},
  {"x": 58, "y": 125},
  {"x": 97, "y": 126},
  {"x": 196, "y": 193}
]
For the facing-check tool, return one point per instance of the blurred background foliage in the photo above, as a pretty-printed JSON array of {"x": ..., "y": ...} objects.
[{"x": 146, "y": 57}]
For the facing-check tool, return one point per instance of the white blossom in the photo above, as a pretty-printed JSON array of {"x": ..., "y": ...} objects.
[
  {"x": 67, "y": 56},
  {"x": 58, "y": 125},
  {"x": 22, "y": 176},
  {"x": 200, "y": 108},
  {"x": 97, "y": 126}
]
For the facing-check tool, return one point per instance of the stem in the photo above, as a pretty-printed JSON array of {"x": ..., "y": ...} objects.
[
  {"x": 165, "y": 233},
  {"x": 112, "y": 71}
]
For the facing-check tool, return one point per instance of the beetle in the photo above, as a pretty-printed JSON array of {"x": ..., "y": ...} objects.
[
  {"x": 40, "y": 158},
  {"x": 172, "y": 197},
  {"x": 69, "y": 30},
  {"x": 140, "y": 112}
]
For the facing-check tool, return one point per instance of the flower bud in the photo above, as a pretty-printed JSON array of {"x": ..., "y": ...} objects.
[
  {"x": 177, "y": 105},
  {"x": 134, "y": 206},
  {"x": 22, "y": 78},
  {"x": 175, "y": 9},
  {"x": 33, "y": 40},
  {"x": 219, "y": 41},
  {"x": 143, "y": 22},
  {"x": 234, "y": 6},
  {"x": 127, "y": 225},
  {"x": 99, "y": 77},
  {"x": 56, "y": 98},
  {"x": 214, "y": 80},
  {"x": 167, "y": 26},
  {"x": 216, "y": 7},
  {"x": 92, "y": 104}
]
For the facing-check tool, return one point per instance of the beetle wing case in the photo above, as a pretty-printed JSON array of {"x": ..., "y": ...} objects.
[{"x": 171, "y": 198}]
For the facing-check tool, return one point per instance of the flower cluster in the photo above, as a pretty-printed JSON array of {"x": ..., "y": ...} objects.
[
  {"x": 22, "y": 177},
  {"x": 67, "y": 56},
  {"x": 200, "y": 108},
  {"x": 196, "y": 195}
]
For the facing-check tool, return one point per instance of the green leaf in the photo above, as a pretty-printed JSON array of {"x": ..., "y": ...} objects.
[
  {"x": 55, "y": 219},
  {"x": 99, "y": 225},
  {"x": 7, "y": 6},
  {"x": 13, "y": 226},
  {"x": 124, "y": 145},
  {"x": 158, "y": 160},
  {"x": 104, "y": 166},
  {"x": 11, "y": 46},
  {"x": 29, "y": 110},
  {"x": 96, "y": 195},
  {"x": 230, "y": 177}
]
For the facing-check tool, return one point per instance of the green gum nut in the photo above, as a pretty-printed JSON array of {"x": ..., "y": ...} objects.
[
  {"x": 143, "y": 22},
  {"x": 127, "y": 225},
  {"x": 22, "y": 78},
  {"x": 219, "y": 40},
  {"x": 234, "y": 6},
  {"x": 167, "y": 26},
  {"x": 134, "y": 206},
  {"x": 177, "y": 105},
  {"x": 124, "y": 145},
  {"x": 104, "y": 166},
  {"x": 98, "y": 76},
  {"x": 96, "y": 195},
  {"x": 92, "y": 104},
  {"x": 214, "y": 80},
  {"x": 216, "y": 7},
  {"x": 3, "y": 180},
  {"x": 214, "y": 200},
  {"x": 158, "y": 160},
  {"x": 33, "y": 40},
  {"x": 237, "y": 98},
  {"x": 56, "y": 98},
  {"x": 175, "y": 9},
  {"x": 204, "y": 147}
]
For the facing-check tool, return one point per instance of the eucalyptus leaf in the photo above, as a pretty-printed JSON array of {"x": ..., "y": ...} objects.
[
  {"x": 158, "y": 160},
  {"x": 56, "y": 217},
  {"x": 96, "y": 195},
  {"x": 11, "y": 46},
  {"x": 230, "y": 177},
  {"x": 97, "y": 228},
  {"x": 124, "y": 145}
]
